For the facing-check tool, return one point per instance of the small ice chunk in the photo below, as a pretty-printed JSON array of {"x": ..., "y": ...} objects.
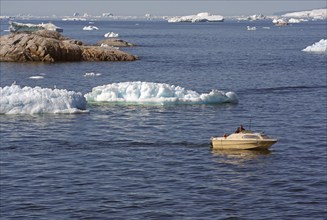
[
  {"x": 318, "y": 47},
  {"x": 90, "y": 28},
  {"x": 111, "y": 35}
]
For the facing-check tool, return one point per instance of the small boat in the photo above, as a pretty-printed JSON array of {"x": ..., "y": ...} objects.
[
  {"x": 244, "y": 140},
  {"x": 280, "y": 22},
  {"x": 26, "y": 27}
]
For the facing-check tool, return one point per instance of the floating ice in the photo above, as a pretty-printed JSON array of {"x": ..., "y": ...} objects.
[
  {"x": 92, "y": 74},
  {"x": 155, "y": 93},
  {"x": 318, "y": 47},
  {"x": 252, "y": 17},
  {"x": 200, "y": 17},
  {"x": 111, "y": 34},
  {"x": 314, "y": 14},
  {"x": 249, "y": 28},
  {"x": 90, "y": 28},
  {"x": 109, "y": 47},
  {"x": 294, "y": 21},
  {"x": 27, "y": 100},
  {"x": 36, "y": 77}
]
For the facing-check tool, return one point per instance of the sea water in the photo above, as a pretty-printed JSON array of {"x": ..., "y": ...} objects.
[{"x": 137, "y": 160}]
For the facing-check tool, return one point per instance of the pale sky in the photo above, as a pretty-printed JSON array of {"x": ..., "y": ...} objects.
[{"x": 155, "y": 7}]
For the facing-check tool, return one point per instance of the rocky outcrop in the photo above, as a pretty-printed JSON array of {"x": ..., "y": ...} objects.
[
  {"x": 50, "y": 46},
  {"x": 114, "y": 43},
  {"x": 95, "y": 53}
]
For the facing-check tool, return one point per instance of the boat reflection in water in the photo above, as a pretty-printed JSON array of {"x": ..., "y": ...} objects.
[{"x": 237, "y": 157}]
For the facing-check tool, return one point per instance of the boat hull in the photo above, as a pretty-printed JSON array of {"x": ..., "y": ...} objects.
[{"x": 242, "y": 145}]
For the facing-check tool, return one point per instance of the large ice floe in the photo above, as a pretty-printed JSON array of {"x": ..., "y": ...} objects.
[
  {"x": 15, "y": 99},
  {"x": 318, "y": 47},
  {"x": 200, "y": 17},
  {"x": 155, "y": 93}
]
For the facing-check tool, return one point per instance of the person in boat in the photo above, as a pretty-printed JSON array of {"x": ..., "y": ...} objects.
[{"x": 240, "y": 129}]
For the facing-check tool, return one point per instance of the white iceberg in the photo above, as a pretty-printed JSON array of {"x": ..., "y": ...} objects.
[
  {"x": 90, "y": 28},
  {"x": 249, "y": 28},
  {"x": 200, "y": 17},
  {"x": 318, "y": 47},
  {"x": 73, "y": 19},
  {"x": 111, "y": 34},
  {"x": 16, "y": 27},
  {"x": 109, "y": 46},
  {"x": 257, "y": 17},
  {"x": 155, "y": 93},
  {"x": 252, "y": 17},
  {"x": 294, "y": 20},
  {"x": 91, "y": 74},
  {"x": 17, "y": 100},
  {"x": 36, "y": 77},
  {"x": 313, "y": 14}
]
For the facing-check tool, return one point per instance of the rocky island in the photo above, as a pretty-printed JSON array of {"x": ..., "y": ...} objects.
[{"x": 51, "y": 46}]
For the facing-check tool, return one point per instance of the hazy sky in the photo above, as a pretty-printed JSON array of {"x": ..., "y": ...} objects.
[{"x": 156, "y": 7}]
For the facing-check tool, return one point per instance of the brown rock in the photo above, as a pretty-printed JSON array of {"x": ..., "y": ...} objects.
[
  {"x": 50, "y": 46},
  {"x": 114, "y": 43},
  {"x": 94, "y": 53}
]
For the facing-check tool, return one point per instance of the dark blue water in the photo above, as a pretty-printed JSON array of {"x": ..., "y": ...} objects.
[{"x": 155, "y": 162}]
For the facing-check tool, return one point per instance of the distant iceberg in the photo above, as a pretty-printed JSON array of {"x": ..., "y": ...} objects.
[
  {"x": 92, "y": 74},
  {"x": 318, "y": 47},
  {"x": 252, "y": 17},
  {"x": 295, "y": 20},
  {"x": 17, "y": 100},
  {"x": 249, "y": 28},
  {"x": 155, "y": 93},
  {"x": 36, "y": 77},
  {"x": 90, "y": 28},
  {"x": 201, "y": 17},
  {"x": 16, "y": 27},
  {"x": 313, "y": 14},
  {"x": 111, "y": 34},
  {"x": 73, "y": 19},
  {"x": 109, "y": 46}
]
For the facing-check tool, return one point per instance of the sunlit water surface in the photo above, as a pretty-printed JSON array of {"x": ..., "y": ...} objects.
[{"x": 155, "y": 162}]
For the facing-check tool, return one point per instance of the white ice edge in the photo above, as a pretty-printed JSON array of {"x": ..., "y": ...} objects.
[
  {"x": 15, "y": 99},
  {"x": 318, "y": 47},
  {"x": 156, "y": 93}
]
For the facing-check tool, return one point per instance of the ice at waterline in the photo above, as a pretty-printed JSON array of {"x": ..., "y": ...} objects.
[
  {"x": 15, "y": 99},
  {"x": 156, "y": 93}
]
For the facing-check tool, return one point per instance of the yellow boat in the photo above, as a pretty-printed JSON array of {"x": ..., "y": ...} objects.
[{"x": 244, "y": 140}]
